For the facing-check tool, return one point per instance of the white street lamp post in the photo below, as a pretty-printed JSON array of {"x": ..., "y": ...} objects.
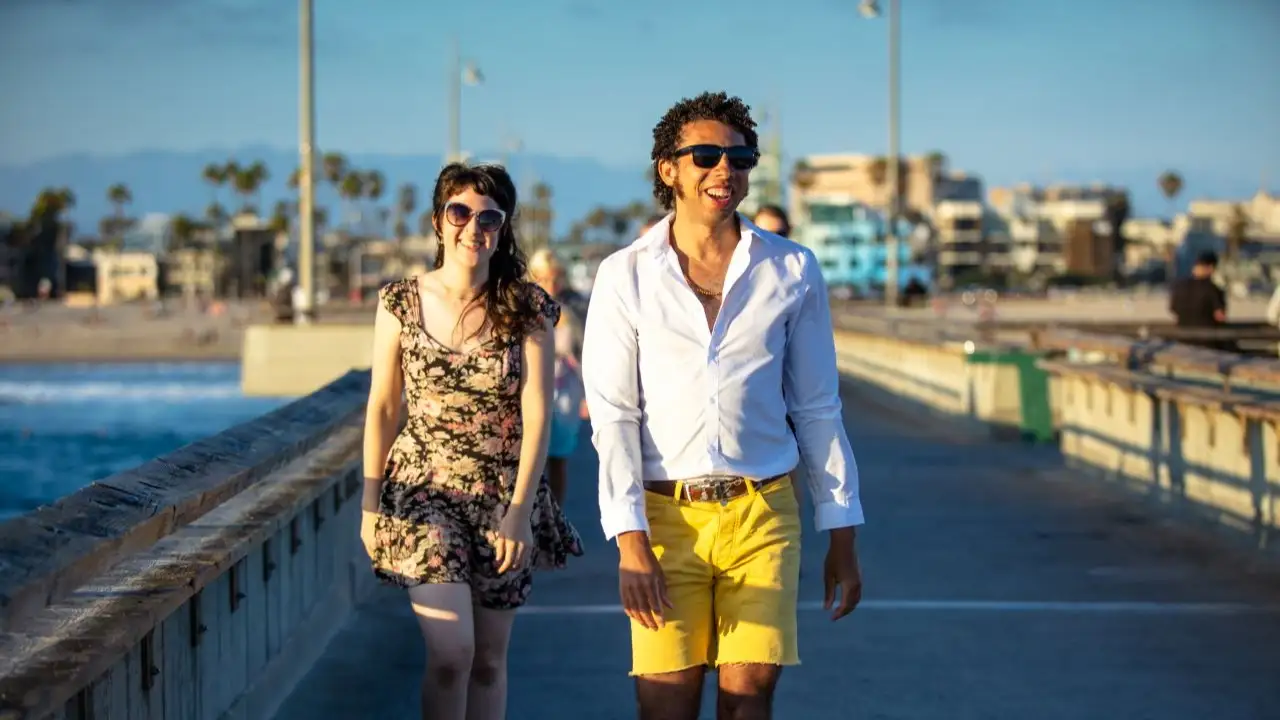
[{"x": 871, "y": 9}]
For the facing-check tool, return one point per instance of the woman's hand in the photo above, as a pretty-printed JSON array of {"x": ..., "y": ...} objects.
[
  {"x": 368, "y": 526},
  {"x": 514, "y": 540}
]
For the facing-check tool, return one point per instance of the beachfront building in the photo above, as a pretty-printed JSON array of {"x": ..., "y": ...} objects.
[
  {"x": 1260, "y": 213},
  {"x": 960, "y": 241},
  {"x": 1053, "y": 230},
  {"x": 848, "y": 239},
  {"x": 107, "y": 277},
  {"x": 193, "y": 272},
  {"x": 373, "y": 263},
  {"x": 859, "y": 177},
  {"x": 126, "y": 277}
]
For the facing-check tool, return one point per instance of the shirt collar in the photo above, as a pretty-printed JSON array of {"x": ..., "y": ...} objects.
[{"x": 658, "y": 240}]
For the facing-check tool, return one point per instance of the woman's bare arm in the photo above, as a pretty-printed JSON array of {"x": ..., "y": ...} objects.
[
  {"x": 382, "y": 414},
  {"x": 536, "y": 381}
]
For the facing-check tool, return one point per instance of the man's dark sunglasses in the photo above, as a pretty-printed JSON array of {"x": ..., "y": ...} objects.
[
  {"x": 487, "y": 220},
  {"x": 706, "y": 157}
]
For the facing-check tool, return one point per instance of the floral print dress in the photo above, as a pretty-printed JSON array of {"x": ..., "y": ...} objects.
[{"x": 451, "y": 472}]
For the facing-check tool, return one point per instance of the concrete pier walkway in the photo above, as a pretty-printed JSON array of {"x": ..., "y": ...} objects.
[{"x": 997, "y": 585}]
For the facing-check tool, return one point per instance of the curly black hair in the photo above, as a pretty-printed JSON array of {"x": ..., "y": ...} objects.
[{"x": 718, "y": 106}]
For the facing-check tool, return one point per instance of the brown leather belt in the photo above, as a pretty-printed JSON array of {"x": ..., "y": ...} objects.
[{"x": 710, "y": 488}]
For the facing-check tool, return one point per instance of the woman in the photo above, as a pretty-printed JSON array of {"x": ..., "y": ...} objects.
[
  {"x": 568, "y": 399},
  {"x": 456, "y": 508}
]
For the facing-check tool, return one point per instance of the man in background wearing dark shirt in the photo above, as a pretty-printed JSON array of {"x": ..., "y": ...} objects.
[{"x": 1199, "y": 304}]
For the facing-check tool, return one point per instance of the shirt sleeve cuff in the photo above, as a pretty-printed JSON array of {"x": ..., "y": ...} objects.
[
  {"x": 628, "y": 519},
  {"x": 830, "y": 515}
]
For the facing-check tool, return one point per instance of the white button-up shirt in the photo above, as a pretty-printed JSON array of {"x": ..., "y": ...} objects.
[{"x": 671, "y": 399}]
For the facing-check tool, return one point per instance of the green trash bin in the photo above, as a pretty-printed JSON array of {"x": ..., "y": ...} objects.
[{"x": 1033, "y": 389}]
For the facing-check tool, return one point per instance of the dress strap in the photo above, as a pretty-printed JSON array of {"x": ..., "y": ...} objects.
[
  {"x": 413, "y": 301},
  {"x": 400, "y": 298}
]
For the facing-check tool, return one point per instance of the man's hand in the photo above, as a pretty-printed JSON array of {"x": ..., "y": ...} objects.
[
  {"x": 641, "y": 583},
  {"x": 841, "y": 570}
]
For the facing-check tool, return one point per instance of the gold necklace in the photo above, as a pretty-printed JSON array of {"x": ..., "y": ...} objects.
[{"x": 699, "y": 289}]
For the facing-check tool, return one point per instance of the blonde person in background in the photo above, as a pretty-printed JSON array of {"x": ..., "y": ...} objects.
[{"x": 566, "y": 405}]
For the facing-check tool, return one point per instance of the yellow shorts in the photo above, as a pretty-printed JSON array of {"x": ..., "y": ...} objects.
[{"x": 733, "y": 575}]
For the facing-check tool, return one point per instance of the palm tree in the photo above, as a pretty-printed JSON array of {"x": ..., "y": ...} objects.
[
  {"x": 215, "y": 215},
  {"x": 334, "y": 167},
  {"x": 878, "y": 171},
  {"x": 1237, "y": 231},
  {"x": 637, "y": 211},
  {"x": 406, "y": 203},
  {"x": 802, "y": 176},
  {"x": 260, "y": 175},
  {"x": 230, "y": 169},
  {"x": 112, "y": 227},
  {"x": 937, "y": 162},
  {"x": 50, "y": 203},
  {"x": 216, "y": 176},
  {"x": 1170, "y": 183},
  {"x": 280, "y": 217},
  {"x": 350, "y": 189},
  {"x": 182, "y": 230},
  {"x": 372, "y": 185},
  {"x": 245, "y": 183},
  {"x": 598, "y": 218},
  {"x": 119, "y": 196}
]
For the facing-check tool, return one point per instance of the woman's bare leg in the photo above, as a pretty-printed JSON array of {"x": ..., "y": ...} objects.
[
  {"x": 447, "y": 622},
  {"x": 487, "y": 693}
]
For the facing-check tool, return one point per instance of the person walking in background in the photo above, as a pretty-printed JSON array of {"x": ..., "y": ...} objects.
[
  {"x": 566, "y": 406},
  {"x": 455, "y": 506},
  {"x": 1197, "y": 303},
  {"x": 773, "y": 219},
  {"x": 1273, "y": 310},
  {"x": 651, "y": 221},
  {"x": 702, "y": 336}
]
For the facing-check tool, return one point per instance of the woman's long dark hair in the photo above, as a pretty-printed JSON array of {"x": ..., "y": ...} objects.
[{"x": 508, "y": 306}]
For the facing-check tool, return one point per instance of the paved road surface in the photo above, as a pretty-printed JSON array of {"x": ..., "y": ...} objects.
[{"x": 996, "y": 588}]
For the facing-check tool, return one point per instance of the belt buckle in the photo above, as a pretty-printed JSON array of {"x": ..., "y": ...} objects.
[{"x": 718, "y": 487}]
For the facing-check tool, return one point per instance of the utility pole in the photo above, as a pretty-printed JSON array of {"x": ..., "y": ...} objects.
[
  {"x": 895, "y": 179},
  {"x": 305, "y": 313}
]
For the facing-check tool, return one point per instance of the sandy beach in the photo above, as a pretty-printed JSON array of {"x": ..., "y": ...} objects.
[{"x": 53, "y": 332}]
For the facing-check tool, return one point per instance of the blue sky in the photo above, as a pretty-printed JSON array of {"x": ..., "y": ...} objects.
[{"x": 1011, "y": 89}]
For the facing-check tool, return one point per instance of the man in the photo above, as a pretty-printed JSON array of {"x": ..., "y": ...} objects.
[
  {"x": 702, "y": 336},
  {"x": 773, "y": 219},
  {"x": 1198, "y": 304}
]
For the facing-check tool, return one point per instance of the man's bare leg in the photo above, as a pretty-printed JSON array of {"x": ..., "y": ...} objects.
[
  {"x": 746, "y": 691},
  {"x": 670, "y": 696}
]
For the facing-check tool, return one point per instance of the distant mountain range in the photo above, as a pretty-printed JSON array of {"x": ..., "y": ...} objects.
[{"x": 170, "y": 181}]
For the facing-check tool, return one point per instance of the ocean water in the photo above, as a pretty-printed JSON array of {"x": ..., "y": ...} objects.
[{"x": 62, "y": 426}]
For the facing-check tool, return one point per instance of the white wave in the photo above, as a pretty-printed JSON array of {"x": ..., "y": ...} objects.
[{"x": 40, "y": 393}]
